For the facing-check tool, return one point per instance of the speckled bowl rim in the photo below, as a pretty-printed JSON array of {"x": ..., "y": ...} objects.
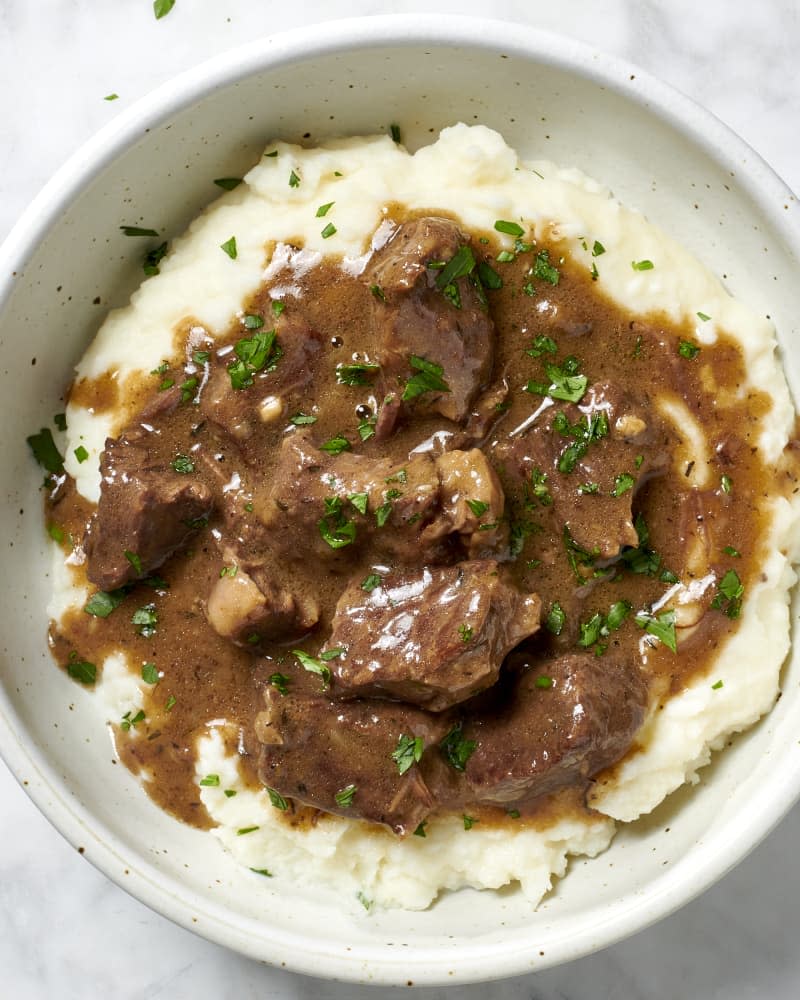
[{"x": 37, "y": 774}]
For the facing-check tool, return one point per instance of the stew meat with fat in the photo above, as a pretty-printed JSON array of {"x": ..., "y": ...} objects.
[{"x": 413, "y": 534}]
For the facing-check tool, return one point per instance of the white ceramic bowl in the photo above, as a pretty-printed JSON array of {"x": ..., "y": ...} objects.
[{"x": 550, "y": 97}]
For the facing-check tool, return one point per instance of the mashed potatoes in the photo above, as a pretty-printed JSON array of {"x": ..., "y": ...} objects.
[{"x": 471, "y": 173}]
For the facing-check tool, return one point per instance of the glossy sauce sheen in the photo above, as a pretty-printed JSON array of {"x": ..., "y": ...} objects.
[{"x": 203, "y": 677}]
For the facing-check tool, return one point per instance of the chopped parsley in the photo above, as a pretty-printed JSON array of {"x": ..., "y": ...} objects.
[
  {"x": 716, "y": 686},
  {"x": 162, "y": 7},
  {"x": 377, "y": 291},
  {"x": 252, "y": 829},
  {"x": 420, "y": 830},
  {"x": 134, "y": 560},
  {"x": 642, "y": 265},
  {"x": 369, "y": 583},
  {"x": 170, "y": 703},
  {"x": 408, "y": 752},
  {"x": 210, "y": 781},
  {"x": 294, "y": 180},
  {"x": 469, "y": 821},
  {"x": 137, "y": 231},
  {"x": 336, "y": 445},
  {"x": 278, "y": 801},
  {"x": 228, "y": 183},
  {"x": 564, "y": 381},
  {"x": 302, "y": 419},
  {"x": 128, "y": 722},
  {"x": 324, "y": 209},
  {"x": 328, "y": 231},
  {"x": 729, "y": 595},
  {"x": 358, "y": 373},
  {"x": 102, "y": 603},
  {"x": 460, "y": 265},
  {"x": 586, "y": 432},
  {"x": 478, "y": 507},
  {"x": 81, "y": 670},
  {"x": 182, "y": 464},
  {"x": 313, "y": 666},
  {"x": 45, "y": 452},
  {"x": 622, "y": 484},
  {"x": 538, "y": 488},
  {"x": 542, "y": 345},
  {"x": 556, "y": 619},
  {"x": 428, "y": 378},
  {"x": 334, "y": 527},
  {"x": 704, "y": 316},
  {"x": 455, "y": 749},
  {"x": 726, "y": 483},
  {"x": 146, "y": 618},
  {"x": 261, "y": 352},
  {"x": 150, "y": 673},
  {"x": 153, "y": 258},
  {"x": 280, "y": 682},
  {"x": 344, "y": 797},
  {"x": 729, "y": 550},
  {"x": 544, "y": 682},
  {"x": 229, "y": 246},
  {"x": 511, "y": 228},
  {"x": 359, "y": 501},
  {"x": 465, "y": 632},
  {"x": 394, "y": 131},
  {"x": 598, "y": 249},
  {"x": 662, "y": 627},
  {"x": 688, "y": 350},
  {"x": 544, "y": 270}
]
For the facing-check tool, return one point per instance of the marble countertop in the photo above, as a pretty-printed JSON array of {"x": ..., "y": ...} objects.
[{"x": 65, "y": 931}]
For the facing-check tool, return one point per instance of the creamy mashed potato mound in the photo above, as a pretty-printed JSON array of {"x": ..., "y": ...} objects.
[{"x": 471, "y": 173}]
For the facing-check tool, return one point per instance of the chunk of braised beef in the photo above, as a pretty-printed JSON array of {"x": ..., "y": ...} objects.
[
  {"x": 415, "y": 316},
  {"x": 338, "y": 756},
  {"x": 433, "y": 637},
  {"x": 558, "y": 723},
  {"x": 587, "y": 461},
  {"x": 147, "y": 510},
  {"x": 243, "y": 395},
  {"x": 249, "y": 607},
  {"x": 425, "y": 510}
]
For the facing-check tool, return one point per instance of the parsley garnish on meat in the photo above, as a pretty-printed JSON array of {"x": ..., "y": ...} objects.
[
  {"x": 369, "y": 583},
  {"x": 542, "y": 345},
  {"x": 334, "y": 527},
  {"x": 302, "y": 419},
  {"x": 408, "y": 752},
  {"x": 587, "y": 431},
  {"x": 182, "y": 464},
  {"x": 556, "y": 619},
  {"x": 455, "y": 749},
  {"x": 146, "y": 618},
  {"x": 564, "y": 381},
  {"x": 344, "y": 797},
  {"x": 538, "y": 488},
  {"x": 428, "y": 379},
  {"x": 622, "y": 483},
  {"x": 465, "y": 632},
  {"x": 600, "y": 626},
  {"x": 261, "y": 352}
]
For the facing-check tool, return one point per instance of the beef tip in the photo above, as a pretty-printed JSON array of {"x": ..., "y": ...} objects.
[
  {"x": 280, "y": 370},
  {"x": 347, "y": 498},
  {"x": 472, "y": 502},
  {"x": 431, "y": 638},
  {"x": 249, "y": 608},
  {"x": 314, "y": 749},
  {"x": 146, "y": 509},
  {"x": 413, "y": 316},
  {"x": 558, "y": 724},
  {"x": 587, "y": 461}
]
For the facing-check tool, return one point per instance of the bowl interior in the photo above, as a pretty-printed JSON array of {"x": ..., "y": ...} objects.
[{"x": 550, "y": 98}]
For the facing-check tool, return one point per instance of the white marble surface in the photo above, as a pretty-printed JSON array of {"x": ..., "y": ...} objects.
[{"x": 65, "y": 931}]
